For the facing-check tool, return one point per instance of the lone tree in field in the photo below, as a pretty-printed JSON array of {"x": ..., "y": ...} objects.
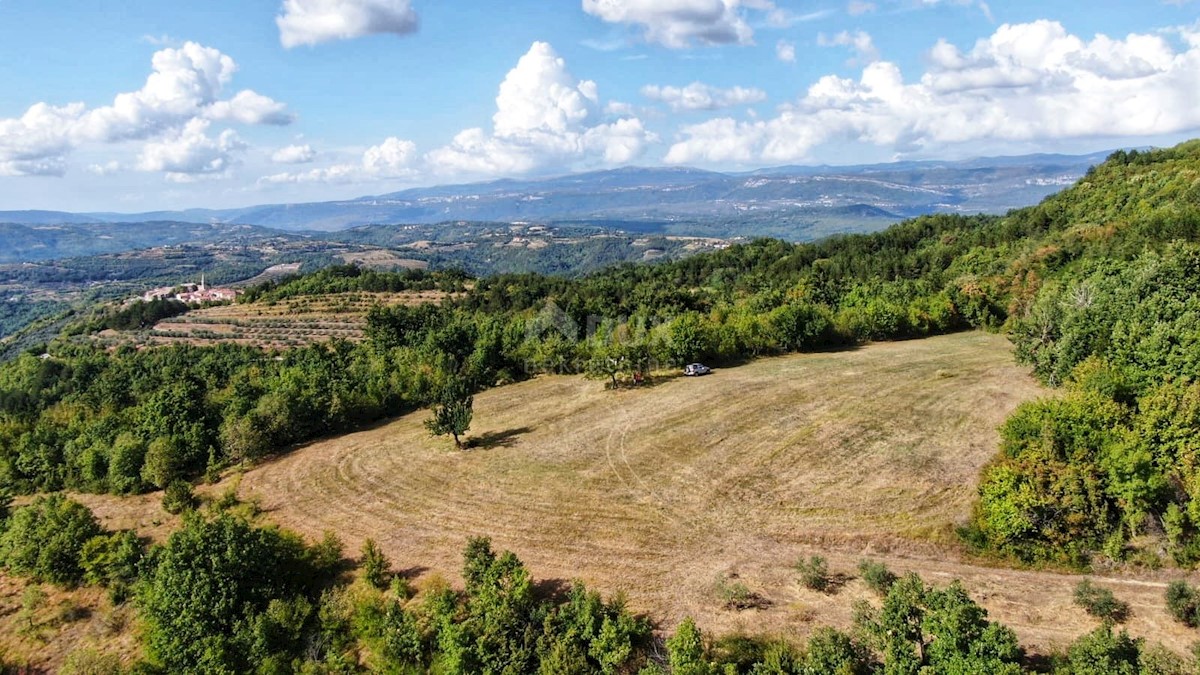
[{"x": 452, "y": 411}]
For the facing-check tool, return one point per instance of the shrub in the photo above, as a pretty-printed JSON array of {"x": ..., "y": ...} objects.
[
  {"x": 814, "y": 573},
  {"x": 736, "y": 595},
  {"x": 1103, "y": 652},
  {"x": 112, "y": 561},
  {"x": 44, "y": 540},
  {"x": 876, "y": 576},
  {"x": 1100, "y": 602},
  {"x": 178, "y": 497},
  {"x": 375, "y": 565},
  {"x": 1183, "y": 601}
]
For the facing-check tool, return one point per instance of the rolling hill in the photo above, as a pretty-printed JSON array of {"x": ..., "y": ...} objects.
[{"x": 856, "y": 198}]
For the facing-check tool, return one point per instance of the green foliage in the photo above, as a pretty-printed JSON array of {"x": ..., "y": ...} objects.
[
  {"x": 1103, "y": 652},
  {"x": 1183, "y": 602},
  {"x": 876, "y": 576},
  {"x": 375, "y": 565},
  {"x": 686, "y": 651},
  {"x": 452, "y": 411},
  {"x": 814, "y": 573},
  {"x": 44, "y": 540},
  {"x": 1100, "y": 602},
  {"x": 940, "y": 629},
  {"x": 113, "y": 561},
  {"x": 178, "y": 497},
  {"x": 141, "y": 314},
  {"x": 224, "y": 594}
]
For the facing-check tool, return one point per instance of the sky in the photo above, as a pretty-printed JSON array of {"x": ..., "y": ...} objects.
[{"x": 139, "y": 105}]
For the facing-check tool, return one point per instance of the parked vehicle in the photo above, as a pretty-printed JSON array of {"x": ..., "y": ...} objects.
[{"x": 696, "y": 369}]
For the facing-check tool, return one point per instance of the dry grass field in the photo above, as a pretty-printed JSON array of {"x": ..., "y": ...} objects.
[{"x": 661, "y": 491}]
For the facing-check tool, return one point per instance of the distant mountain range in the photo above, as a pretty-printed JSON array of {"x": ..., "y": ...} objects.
[{"x": 812, "y": 200}]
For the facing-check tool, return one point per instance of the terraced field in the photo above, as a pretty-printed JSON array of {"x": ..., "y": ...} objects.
[{"x": 286, "y": 323}]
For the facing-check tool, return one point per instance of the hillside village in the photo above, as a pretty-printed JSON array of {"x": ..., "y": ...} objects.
[{"x": 191, "y": 294}]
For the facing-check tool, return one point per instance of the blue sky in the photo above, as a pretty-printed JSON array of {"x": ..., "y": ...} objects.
[{"x": 137, "y": 105}]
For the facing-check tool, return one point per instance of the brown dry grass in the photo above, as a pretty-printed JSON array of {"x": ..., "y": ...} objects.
[
  {"x": 68, "y": 620},
  {"x": 661, "y": 491}
]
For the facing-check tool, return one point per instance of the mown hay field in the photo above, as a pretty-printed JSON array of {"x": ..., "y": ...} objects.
[{"x": 662, "y": 491}]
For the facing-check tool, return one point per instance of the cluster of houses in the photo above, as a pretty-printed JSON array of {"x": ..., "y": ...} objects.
[{"x": 192, "y": 293}]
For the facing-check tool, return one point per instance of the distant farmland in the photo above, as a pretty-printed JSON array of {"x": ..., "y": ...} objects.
[{"x": 279, "y": 324}]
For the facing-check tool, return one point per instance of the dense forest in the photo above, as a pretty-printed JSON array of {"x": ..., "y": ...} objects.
[{"x": 1097, "y": 287}]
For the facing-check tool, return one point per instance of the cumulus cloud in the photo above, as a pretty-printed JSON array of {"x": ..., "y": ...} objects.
[
  {"x": 294, "y": 154},
  {"x": 1025, "y": 83},
  {"x": 544, "y": 117},
  {"x": 36, "y": 143},
  {"x": 186, "y": 85},
  {"x": 700, "y": 96},
  {"x": 391, "y": 159},
  {"x": 191, "y": 152},
  {"x": 682, "y": 23},
  {"x": 859, "y": 41},
  {"x": 310, "y": 22}
]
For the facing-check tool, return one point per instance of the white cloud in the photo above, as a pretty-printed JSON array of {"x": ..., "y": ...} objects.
[
  {"x": 1026, "y": 83},
  {"x": 250, "y": 107},
  {"x": 294, "y": 154},
  {"x": 392, "y": 159},
  {"x": 36, "y": 143},
  {"x": 185, "y": 85},
  {"x": 310, "y": 22},
  {"x": 544, "y": 117},
  {"x": 700, "y": 96},
  {"x": 859, "y": 41},
  {"x": 681, "y": 23},
  {"x": 191, "y": 152},
  {"x": 785, "y": 51}
]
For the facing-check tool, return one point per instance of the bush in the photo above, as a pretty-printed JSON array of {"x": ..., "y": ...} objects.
[
  {"x": 178, "y": 497},
  {"x": 876, "y": 576},
  {"x": 375, "y": 565},
  {"x": 1100, "y": 602},
  {"x": 112, "y": 561},
  {"x": 1183, "y": 601},
  {"x": 737, "y": 596},
  {"x": 814, "y": 573},
  {"x": 44, "y": 540},
  {"x": 1103, "y": 652}
]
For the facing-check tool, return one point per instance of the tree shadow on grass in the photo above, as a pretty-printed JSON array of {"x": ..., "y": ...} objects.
[
  {"x": 411, "y": 573},
  {"x": 552, "y": 589},
  {"x": 497, "y": 439}
]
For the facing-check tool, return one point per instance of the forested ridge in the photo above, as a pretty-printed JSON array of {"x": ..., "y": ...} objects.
[{"x": 1097, "y": 287}]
